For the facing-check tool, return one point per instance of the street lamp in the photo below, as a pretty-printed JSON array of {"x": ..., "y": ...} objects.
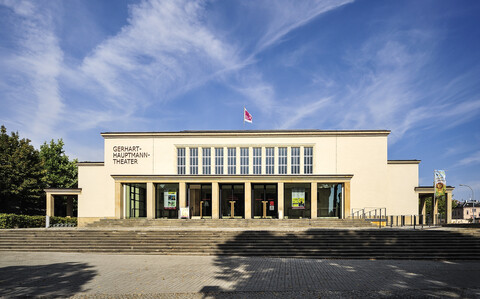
[{"x": 473, "y": 200}]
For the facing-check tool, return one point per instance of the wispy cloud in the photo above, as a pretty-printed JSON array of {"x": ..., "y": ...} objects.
[
  {"x": 473, "y": 159},
  {"x": 34, "y": 70}
]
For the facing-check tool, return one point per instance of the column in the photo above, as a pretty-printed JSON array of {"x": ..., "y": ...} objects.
[
  {"x": 448, "y": 216},
  {"x": 50, "y": 204},
  {"x": 250, "y": 163},
  {"x": 435, "y": 209},
  {"x": 215, "y": 201},
  {"x": 248, "y": 200},
  {"x": 289, "y": 160},
  {"x": 187, "y": 160},
  {"x": 70, "y": 206},
  {"x": 150, "y": 200},
  {"x": 346, "y": 210},
  {"x": 182, "y": 198},
  {"x": 302, "y": 159},
  {"x": 281, "y": 199},
  {"x": 313, "y": 203},
  {"x": 118, "y": 201}
]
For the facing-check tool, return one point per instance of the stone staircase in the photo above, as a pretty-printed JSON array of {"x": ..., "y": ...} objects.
[
  {"x": 312, "y": 243},
  {"x": 232, "y": 223}
]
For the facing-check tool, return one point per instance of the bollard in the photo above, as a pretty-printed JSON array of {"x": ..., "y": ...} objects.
[{"x": 414, "y": 221}]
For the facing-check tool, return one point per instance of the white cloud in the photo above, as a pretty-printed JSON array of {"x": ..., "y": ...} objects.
[
  {"x": 35, "y": 69},
  {"x": 470, "y": 160},
  {"x": 292, "y": 116}
]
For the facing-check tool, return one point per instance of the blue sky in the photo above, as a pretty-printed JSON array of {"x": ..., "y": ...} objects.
[{"x": 72, "y": 69}]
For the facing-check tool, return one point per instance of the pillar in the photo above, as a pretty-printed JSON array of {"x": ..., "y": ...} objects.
[
  {"x": 346, "y": 210},
  {"x": 313, "y": 200},
  {"x": 248, "y": 200},
  {"x": 435, "y": 209},
  {"x": 50, "y": 205},
  {"x": 150, "y": 200},
  {"x": 118, "y": 201},
  {"x": 215, "y": 201},
  {"x": 182, "y": 196},
  {"x": 448, "y": 212},
  {"x": 69, "y": 206},
  {"x": 281, "y": 200}
]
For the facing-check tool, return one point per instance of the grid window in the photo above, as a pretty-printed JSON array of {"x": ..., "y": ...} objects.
[
  {"x": 270, "y": 160},
  {"x": 282, "y": 160},
  {"x": 295, "y": 160},
  {"x": 244, "y": 160},
  {"x": 257, "y": 160},
  {"x": 219, "y": 160},
  {"x": 180, "y": 160},
  {"x": 193, "y": 160},
  {"x": 232, "y": 160},
  {"x": 308, "y": 160},
  {"x": 206, "y": 160}
]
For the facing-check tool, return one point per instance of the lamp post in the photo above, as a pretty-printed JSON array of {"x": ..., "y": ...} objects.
[{"x": 473, "y": 200}]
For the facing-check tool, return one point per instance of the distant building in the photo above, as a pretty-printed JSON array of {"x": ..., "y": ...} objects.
[{"x": 467, "y": 211}]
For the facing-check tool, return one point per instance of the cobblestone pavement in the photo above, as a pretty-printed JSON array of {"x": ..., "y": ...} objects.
[{"x": 153, "y": 276}]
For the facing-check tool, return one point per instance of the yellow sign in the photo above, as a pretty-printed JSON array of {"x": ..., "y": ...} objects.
[{"x": 298, "y": 198}]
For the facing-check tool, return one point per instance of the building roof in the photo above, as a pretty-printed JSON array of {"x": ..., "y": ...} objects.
[{"x": 208, "y": 133}]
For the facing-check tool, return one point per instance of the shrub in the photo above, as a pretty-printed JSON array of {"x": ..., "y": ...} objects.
[{"x": 25, "y": 221}]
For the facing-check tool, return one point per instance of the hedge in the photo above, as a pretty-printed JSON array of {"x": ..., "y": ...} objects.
[{"x": 25, "y": 221}]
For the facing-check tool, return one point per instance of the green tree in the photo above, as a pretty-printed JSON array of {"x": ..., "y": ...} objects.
[
  {"x": 60, "y": 171},
  {"x": 21, "y": 176}
]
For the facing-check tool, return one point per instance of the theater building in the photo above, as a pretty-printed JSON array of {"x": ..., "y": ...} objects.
[{"x": 283, "y": 174}]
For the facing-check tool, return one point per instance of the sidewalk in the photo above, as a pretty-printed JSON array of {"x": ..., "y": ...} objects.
[{"x": 142, "y": 276}]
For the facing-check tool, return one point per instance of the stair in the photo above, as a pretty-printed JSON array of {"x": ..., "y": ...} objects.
[
  {"x": 233, "y": 223},
  {"x": 311, "y": 243}
]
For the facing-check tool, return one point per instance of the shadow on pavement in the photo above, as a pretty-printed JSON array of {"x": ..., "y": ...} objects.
[
  {"x": 52, "y": 280},
  {"x": 290, "y": 277}
]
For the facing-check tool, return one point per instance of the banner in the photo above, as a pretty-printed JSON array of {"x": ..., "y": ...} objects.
[
  {"x": 440, "y": 183},
  {"x": 170, "y": 200},
  {"x": 298, "y": 198}
]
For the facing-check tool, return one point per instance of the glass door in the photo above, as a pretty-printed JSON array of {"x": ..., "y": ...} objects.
[
  {"x": 264, "y": 201},
  {"x": 232, "y": 203},
  {"x": 200, "y": 200},
  {"x": 329, "y": 200}
]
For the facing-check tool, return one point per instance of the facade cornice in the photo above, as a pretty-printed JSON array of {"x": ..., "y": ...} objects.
[
  {"x": 404, "y": 161},
  {"x": 86, "y": 163},
  {"x": 248, "y": 133}
]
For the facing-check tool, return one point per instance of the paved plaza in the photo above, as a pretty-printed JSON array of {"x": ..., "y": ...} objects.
[{"x": 152, "y": 276}]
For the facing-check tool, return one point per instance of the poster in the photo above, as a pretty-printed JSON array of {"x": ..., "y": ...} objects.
[
  {"x": 170, "y": 200},
  {"x": 298, "y": 198},
  {"x": 440, "y": 183},
  {"x": 184, "y": 213}
]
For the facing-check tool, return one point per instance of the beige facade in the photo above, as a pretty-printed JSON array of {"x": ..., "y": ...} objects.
[{"x": 352, "y": 164}]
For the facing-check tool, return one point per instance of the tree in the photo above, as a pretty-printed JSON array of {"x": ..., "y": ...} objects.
[
  {"x": 60, "y": 171},
  {"x": 21, "y": 176}
]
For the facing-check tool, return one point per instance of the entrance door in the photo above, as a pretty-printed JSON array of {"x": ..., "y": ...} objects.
[
  {"x": 200, "y": 200},
  {"x": 264, "y": 201},
  {"x": 329, "y": 200},
  {"x": 232, "y": 194}
]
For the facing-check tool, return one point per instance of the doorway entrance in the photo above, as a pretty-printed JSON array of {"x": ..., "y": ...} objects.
[
  {"x": 232, "y": 203},
  {"x": 200, "y": 200},
  {"x": 264, "y": 201}
]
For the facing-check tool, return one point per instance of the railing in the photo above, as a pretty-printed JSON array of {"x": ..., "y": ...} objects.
[{"x": 379, "y": 216}]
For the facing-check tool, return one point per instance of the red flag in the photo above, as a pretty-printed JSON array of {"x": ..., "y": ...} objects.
[{"x": 247, "y": 117}]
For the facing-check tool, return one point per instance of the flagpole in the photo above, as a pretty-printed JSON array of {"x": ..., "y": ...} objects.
[{"x": 243, "y": 116}]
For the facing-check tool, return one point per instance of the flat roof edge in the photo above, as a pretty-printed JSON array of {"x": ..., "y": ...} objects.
[
  {"x": 404, "y": 161},
  {"x": 208, "y": 133},
  {"x": 88, "y": 163}
]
